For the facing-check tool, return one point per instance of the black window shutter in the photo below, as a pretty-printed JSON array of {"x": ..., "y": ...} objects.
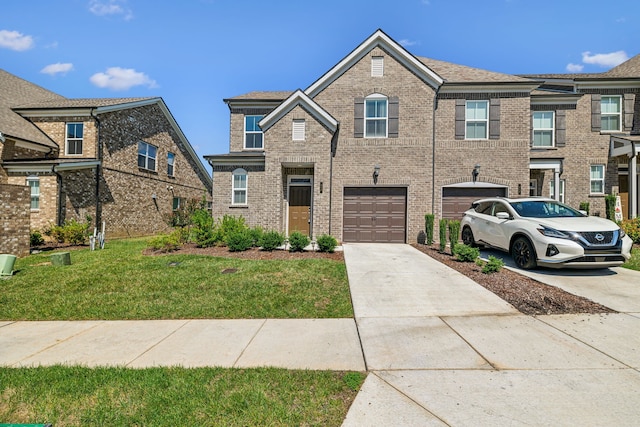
[
  {"x": 561, "y": 128},
  {"x": 494, "y": 118},
  {"x": 461, "y": 105},
  {"x": 595, "y": 113},
  {"x": 358, "y": 114},
  {"x": 629, "y": 101},
  {"x": 394, "y": 113}
]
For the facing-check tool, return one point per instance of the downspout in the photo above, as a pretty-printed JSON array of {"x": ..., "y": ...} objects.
[
  {"x": 60, "y": 198},
  {"x": 98, "y": 219},
  {"x": 433, "y": 151}
]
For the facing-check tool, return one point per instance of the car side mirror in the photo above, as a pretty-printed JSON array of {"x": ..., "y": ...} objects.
[{"x": 503, "y": 215}]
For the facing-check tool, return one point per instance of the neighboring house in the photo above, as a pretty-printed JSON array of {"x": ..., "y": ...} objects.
[
  {"x": 384, "y": 137},
  {"x": 124, "y": 162}
]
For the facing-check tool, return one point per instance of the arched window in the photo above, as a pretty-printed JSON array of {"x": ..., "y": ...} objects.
[{"x": 239, "y": 187}]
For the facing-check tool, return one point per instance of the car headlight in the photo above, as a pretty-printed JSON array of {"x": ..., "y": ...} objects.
[
  {"x": 552, "y": 232},
  {"x": 622, "y": 233}
]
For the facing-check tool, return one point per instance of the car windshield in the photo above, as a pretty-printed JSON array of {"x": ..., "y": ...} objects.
[{"x": 544, "y": 209}]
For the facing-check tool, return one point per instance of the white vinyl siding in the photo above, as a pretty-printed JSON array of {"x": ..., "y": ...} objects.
[
  {"x": 299, "y": 130},
  {"x": 476, "y": 119},
  {"x": 543, "y": 129}
]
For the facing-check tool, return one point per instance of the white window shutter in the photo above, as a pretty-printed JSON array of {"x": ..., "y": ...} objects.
[
  {"x": 377, "y": 66},
  {"x": 299, "y": 129}
]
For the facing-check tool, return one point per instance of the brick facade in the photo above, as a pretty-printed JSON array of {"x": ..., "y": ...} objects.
[{"x": 14, "y": 219}]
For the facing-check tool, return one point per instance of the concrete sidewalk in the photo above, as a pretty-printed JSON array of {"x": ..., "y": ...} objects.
[{"x": 469, "y": 360}]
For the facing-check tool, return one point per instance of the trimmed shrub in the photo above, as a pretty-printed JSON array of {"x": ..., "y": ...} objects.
[
  {"x": 493, "y": 265},
  {"x": 297, "y": 241},
  {"x": 429, "y": 220},
  {"x": 165, "y": 243},
  {"x": 326, "y": 243},
  {"x": 610, "y": 203},
  {"x": 443, "y": 234},
  {"x": 228, "y": 225},
  {"x": 72, "y": 231},
  {"x": 632, "y": 228},
  {"x": 36, "y": 239},
  {"x": 256, "y": 235},
  {"x": 454, "y": 234},
  {"x": 584, "y": 206},
  {"x": 466, "y": 253},
  {"x": 239, "y": 240},
  {"x": 271, "y": 240}
]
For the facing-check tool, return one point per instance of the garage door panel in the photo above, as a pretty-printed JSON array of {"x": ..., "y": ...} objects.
[
  {"x": 457, "y": 200},
  {"x": 374, "y": 214}
]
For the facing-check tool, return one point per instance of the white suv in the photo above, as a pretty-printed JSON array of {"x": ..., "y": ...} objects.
[{"x": 538, "y": 231}]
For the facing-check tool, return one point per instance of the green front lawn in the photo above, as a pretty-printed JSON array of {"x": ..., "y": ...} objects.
[
  {"x": 119, "y": 282},
  {"x": 77, "y": 396},
  {"x": 634, "y": 262}
]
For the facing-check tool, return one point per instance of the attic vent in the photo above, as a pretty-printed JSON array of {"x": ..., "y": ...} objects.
[
  {"x": 377, "y": 66},
  {"x": 298, "y": 130}
]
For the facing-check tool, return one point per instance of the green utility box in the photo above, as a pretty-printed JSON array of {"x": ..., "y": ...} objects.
[
  {"x": 60, "y": 258},
  {"x": 6, "y": 264}
]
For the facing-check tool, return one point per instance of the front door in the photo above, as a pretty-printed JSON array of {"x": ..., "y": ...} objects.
[{"x": 300, "y": 209}]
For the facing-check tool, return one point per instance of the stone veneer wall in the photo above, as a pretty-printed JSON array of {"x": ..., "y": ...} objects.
[{"x": 15, "y": 202}]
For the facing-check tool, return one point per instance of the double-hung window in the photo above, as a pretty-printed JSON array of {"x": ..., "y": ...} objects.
[
  {"x": 375, "y": 116},
  {"x": 611, "y": 113},
  {"x": 239, "y": 187},
  {"x": 34, "y": 187},
  {"x": 171, "y": 161},
  {"x": 147, "y": 156},
  {"x": 252, "y": 132},
  {"x": 597, "y": 179},
  {"x": 543, "y": 129},
  {"x": 476, "y": 119},
  {"x": 73, "y": 139}
]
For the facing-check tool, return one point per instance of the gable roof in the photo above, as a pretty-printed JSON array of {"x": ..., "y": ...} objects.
[
  {"x": 455, "y": 73},
  {"x": 14, "y": 90},
  {"x": 299, "y": 98},
  {"x": 377, "y": 39},
  {"x": 628, "y": 69}
]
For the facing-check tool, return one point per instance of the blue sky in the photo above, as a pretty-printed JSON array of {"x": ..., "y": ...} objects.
[{"x": 194, "y": 53}]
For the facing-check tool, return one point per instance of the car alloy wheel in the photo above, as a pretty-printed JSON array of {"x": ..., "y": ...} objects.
[
  {"x": 467, "y": 237},
  {"x": 523, "y": 254}
]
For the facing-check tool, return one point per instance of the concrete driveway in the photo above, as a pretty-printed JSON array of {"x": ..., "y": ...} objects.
[{"x": 443, "y": 351}]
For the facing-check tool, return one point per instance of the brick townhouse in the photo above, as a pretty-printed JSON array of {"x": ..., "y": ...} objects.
[
  {"x": 122, "y": 161},
  {"x": 385, "y": 137}
]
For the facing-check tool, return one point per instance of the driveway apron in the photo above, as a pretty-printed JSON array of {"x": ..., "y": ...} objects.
[{"x": 443, "y": 351}]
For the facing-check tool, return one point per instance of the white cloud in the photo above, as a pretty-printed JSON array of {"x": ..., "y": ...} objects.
[
  {"x": 605, "y": 60},
  {"x": 110, "y": 7},
  {"x": 407, "y": 42},
  {"x": 57, "y": 68},
  {"x": 575, "y": 68},
  {"x": 116, "y": 78},
  {"x": 15, "y": 41}
]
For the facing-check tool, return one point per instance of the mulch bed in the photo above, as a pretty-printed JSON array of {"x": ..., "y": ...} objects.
[
  {"x": 527, "y": 295},
  {"x": 253, "y": 253}
]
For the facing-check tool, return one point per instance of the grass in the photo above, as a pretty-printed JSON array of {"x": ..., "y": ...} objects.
[
  {"x": 77, "y": 396},
  {"x": 119, "y": 282},
  {"x": 634, "y": 262}
]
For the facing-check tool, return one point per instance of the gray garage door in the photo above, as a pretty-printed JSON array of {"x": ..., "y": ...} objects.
[
  {"x": 456, "y": 200},
  {"x": 374, "y": 215}
]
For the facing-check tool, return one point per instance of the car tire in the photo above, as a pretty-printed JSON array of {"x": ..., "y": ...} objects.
[
  {"x": 523, "y": 253},
  {"x": 467, "y": 237}
]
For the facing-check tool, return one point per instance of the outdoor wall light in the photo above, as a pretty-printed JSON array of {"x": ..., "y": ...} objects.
[
  {"x": 376, "y": 173},
  {"x": 475, "y": 172}
]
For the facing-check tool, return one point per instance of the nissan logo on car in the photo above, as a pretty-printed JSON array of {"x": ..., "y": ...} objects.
[{"x": 599, "y": 237}]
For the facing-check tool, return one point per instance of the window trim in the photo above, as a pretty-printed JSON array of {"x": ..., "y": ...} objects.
[
  {"x": 252, "y": 132},
  {"x": 171, "y": 165},
  {"x": 67, "y": 140},
  {"x": 618, "y": 114},
  {"x": 36, "y": 197},
  {"x": 552, "y": 129},
  {"x": 375, "y": 98},
  {"x": 235, "y": 173},
  {"x": 592, "y": 180},
  {"x": 467, "y": 120},
  {"x": 147, "y": 157}
]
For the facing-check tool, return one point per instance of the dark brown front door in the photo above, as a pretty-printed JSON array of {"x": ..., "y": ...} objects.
[
  {"x": 300, "y": 210},
  {"x": 375, "y": 215}
]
